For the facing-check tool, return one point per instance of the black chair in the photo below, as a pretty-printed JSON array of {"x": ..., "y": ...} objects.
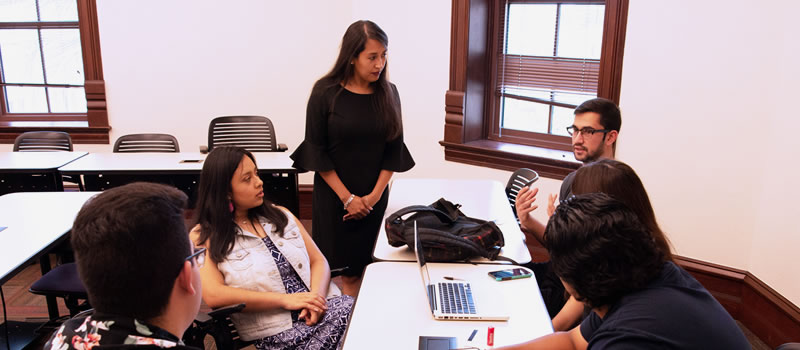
[
  {"x": 519, "y": 179},
  {"x": 63, "y": 282},
  {"x": 47, "y": 141},
  {"x": 33, "y": 141},
  {"x": 146, "y": 143},
  {"x": 219, "y": 326},
  {"x": 253, "y": 133}
]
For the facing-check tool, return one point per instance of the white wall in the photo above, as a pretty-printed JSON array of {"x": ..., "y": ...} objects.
[
  {"x": 195, "y": 60},
  {"x": 703, "y": 96},
  {"x": 256, "y": 57},
  {"x": 777, "y": 229}
]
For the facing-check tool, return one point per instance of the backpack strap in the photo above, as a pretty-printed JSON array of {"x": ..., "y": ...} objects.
[
  {"x": 503, "y": 258},
  {"x": 444, "y": 217}
]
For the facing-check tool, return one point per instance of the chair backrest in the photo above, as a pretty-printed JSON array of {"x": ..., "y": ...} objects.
[
  {"x": 33, "y": 141},
  {"x": 146, "y": 143},
  {"x": 219, "y": 326},
  {"x": 253, "y": 133},
  {"x": 516, "y": 182}
]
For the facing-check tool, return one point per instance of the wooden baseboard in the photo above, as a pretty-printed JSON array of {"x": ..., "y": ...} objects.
[
  {"x": 770, "y": 316},
  {"x": 306, "y": 194},
  {"x": 773, "y": 318}
]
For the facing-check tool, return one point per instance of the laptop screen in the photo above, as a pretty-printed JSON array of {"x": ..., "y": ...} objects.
[{"x": 423, "y": 269}]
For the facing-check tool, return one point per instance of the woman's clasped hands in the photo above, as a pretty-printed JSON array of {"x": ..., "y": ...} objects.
[
  {"x": 312, "y": 306},
  {"x": 359, "y": 207}
]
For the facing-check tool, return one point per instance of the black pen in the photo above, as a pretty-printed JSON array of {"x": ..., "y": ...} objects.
[{"x": 452, "y": 278}]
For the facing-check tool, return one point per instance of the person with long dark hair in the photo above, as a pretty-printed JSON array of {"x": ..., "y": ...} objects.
[
  {"x": 354, "y": 144},
  {"x": 608, "y": 260},
  {"x": 619, "y": 181},
  {"x": 261, "y": 255}
]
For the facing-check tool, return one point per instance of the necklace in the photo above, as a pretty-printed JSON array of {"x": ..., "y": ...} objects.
[{"x": 246, "y": 222}]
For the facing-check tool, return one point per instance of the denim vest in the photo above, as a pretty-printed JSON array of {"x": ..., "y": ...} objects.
[{"x": 250, "y": 266}]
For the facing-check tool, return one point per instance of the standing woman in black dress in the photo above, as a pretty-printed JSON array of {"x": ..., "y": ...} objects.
[{"x": 354, "y": 143}]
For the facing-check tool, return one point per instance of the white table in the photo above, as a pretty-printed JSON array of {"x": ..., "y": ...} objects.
[
  {"x": 481, "y": 199},
  {"x": 392, "y": 311},
  {"x": 166, "y": 163},
  {"x": 33, "y": 171},
  {"x": 31, "y": 161},
  {"x": 101, "y": 171},
  {"x": 35, "y": 223}
]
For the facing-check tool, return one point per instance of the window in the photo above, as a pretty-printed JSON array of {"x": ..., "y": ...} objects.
[
  {"x": 518, "y": 70},
  {"x": 548, "y": 62},
  {"x": 50, "y": 70}
]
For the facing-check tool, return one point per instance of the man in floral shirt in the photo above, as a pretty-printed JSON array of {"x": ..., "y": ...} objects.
[{"x": 139, "y": 268}]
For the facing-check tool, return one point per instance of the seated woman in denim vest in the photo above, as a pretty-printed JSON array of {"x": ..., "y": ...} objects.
[{"x": 261, "y": 255}]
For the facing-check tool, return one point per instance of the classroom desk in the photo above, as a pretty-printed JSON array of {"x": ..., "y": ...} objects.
[
  {"x": 182, "y": 170},
  {"x": 33, "y": 171},
  {"x": 481, "y": 199},
  {"x": 392, "y": 311},
  {"x": 34, "y": 222}
]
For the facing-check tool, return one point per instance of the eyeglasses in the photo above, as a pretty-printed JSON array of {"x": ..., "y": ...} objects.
[
  {"x": 199, "y": 256},
  {"x": 587, "y": 131}
]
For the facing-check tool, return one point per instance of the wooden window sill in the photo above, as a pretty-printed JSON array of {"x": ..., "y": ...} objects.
[
  {"x": 80, "y": 131},
  {"x": 508, "y": 156}
]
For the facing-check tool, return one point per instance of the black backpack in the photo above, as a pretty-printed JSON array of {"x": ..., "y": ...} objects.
[{"x": 446, "y": 234}]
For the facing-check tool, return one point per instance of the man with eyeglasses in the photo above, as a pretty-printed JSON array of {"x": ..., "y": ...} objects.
[
  {"x": 594, "y": 134},
  {"x": 140, "y": 271}
]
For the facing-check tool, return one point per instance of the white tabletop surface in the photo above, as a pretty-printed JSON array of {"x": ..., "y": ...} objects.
[
  {"x": 392, "y": 310},
  {"x": 28, "y": 161},
  {"x": 480, "y": 199},
  {"x": 166, "y": 162},
  {"x": 32, "y": 221}
]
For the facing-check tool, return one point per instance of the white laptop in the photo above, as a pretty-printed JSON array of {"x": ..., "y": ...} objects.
[{"x": 454, "y": 300}]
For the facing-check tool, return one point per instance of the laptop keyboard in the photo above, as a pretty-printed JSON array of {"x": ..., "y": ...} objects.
[{"x": 456, "y": 298}]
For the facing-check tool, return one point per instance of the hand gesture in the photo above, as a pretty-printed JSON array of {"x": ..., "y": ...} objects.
[
  {"x": 525, "y": 205},
  {"x": 551, "y": 205},
  {"x": 357, "y": 209},
  {"x": 307, "y": 300},
  {"x": 311, "y": 317}
]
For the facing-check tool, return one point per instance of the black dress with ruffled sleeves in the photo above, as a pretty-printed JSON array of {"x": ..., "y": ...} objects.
[{"x": 344, "y": 133}]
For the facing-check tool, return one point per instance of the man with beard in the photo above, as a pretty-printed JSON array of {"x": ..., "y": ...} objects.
[{"x": 594, "y": 134}]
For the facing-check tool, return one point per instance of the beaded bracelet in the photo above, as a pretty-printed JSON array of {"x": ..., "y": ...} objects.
[{"x": 348, "y": 201}]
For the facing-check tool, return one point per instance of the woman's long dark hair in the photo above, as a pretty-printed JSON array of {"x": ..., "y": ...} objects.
[
  {"x": 383, "y": 97},
  {"x": 619, "y": 181},
  {"x": 213, "y": 212}
]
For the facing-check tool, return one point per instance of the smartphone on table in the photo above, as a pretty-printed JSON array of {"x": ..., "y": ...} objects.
[{"x": 510, "y": 274}]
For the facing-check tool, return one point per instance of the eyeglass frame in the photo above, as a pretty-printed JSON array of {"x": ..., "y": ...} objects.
[
  {"x": 572, "y": 130},
  {"x": 198, "y": 254}
]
